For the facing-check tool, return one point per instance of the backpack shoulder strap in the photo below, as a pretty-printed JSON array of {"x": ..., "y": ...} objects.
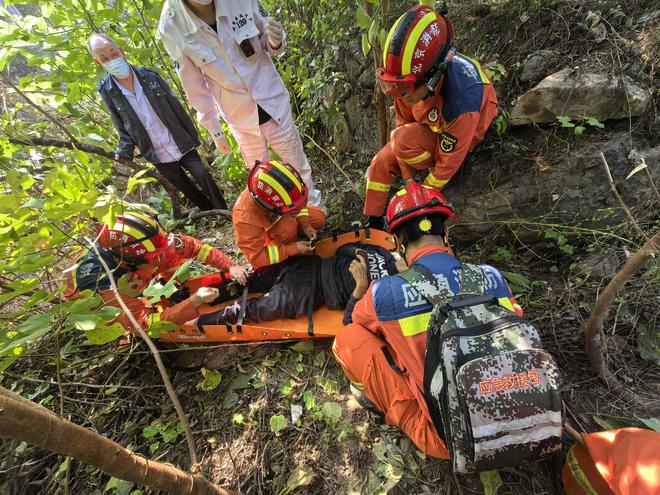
[
  {"x": 426, "y": 284},
  {"x": 472, "y": 279}
]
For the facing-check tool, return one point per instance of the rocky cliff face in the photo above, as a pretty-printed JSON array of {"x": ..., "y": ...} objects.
[
  {"x": 496, "y": 187},
  {"x": 591, "y": 67}
]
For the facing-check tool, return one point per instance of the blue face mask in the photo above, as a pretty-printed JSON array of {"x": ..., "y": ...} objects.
[{"x": 118, "y": 68}]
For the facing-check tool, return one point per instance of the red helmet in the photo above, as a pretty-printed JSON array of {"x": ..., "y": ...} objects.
[
  {"x": 413, "y": 201},
  {"x": 277, "y": 187},
  {"x": 418, "y": 48},
  {"x": 136, "y": 237}
]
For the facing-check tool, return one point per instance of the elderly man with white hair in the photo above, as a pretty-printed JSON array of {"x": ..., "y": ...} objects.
[{"x": 147, "y": 114}]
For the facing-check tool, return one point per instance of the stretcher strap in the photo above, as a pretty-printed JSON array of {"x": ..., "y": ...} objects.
[
  {"x": 241, "y": 312},
  {"x": 310, "y": 303}
]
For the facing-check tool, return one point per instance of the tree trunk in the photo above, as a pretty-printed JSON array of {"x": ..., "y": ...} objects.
[
  {"x": 516, "y": 184},
  {"x": 23, "y": 420}
]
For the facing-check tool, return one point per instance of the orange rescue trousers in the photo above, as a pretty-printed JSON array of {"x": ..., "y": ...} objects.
[
  {"x": 360, "y": 354},
  {"x": 412, "y": 147},
  {"x": 614, "y": 462}
]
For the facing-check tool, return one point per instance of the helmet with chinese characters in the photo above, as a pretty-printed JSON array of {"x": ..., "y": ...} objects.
[
  {"x": 135, "y": 237},
  {"x": 277, "y": 187}
]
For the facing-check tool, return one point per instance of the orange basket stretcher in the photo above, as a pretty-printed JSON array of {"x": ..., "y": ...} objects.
[{"x": 326, "y": 322}]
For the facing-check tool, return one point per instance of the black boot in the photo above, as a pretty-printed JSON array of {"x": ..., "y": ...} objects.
[{"x": 364, "y": 402}]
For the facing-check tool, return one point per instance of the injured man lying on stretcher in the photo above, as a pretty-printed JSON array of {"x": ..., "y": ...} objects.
[{"x": 291, "y": 286}]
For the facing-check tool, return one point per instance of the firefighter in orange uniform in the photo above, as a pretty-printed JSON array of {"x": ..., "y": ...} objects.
[
  {"x": 271, "y": 212},
  {"x": 382, "y": 352},
  {"x": 614, "y": 462},
  {"x": 444, "y": 103},
  {"x": 137, "y": 249}
]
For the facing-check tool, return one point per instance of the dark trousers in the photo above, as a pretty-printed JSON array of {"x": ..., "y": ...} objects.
[
  {"x": 287, "y": 287},
  {"x": 210, "y": 197}
]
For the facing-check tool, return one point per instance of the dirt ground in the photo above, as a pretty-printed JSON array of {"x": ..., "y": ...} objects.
[{"x": 244, "y": 430}]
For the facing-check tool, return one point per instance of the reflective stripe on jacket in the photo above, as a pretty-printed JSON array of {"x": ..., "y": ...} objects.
[
  {"x": 393, "y": 309},
  {"x": 88, "y": 274},
  {"x": 251, "y": 225}
]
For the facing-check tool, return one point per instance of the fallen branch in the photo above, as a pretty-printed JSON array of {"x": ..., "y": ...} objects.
[
  {"x": 159, "y": 362},
  {"x": 619, "y": 198},
  {"x": 573, "y": 433},
  {"x": 97, "y": 150},
  {"x": 594, "y": 327},
  {"x": 196, "y": 214},
  {"x": 25, "y": 421}
]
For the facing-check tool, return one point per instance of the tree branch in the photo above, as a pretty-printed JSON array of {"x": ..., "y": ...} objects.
[
  {"x": 38, "y": 108},
  {"x": 195, "y": 214},
  {"x": 334, "y": 162},
  {"x": 619, "y": 198},
  {"x": 595, "y": 323},
  {"x": 97, "y": 150},
  {"x": 32, "y": 423},
  {"x": 159, "y": 362}
]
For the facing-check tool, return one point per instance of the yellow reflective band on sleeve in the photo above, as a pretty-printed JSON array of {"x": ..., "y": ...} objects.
[
  {"x": 431, "y": 179},
  {"x": 273, "y": 254},
  {"x": 401, "y": 192},
  {"x": 482, "y": 73},
  {"x": 203, "y": 253},
  {"x": 378, "y": 186},
  {"x": 276, "y": 185},
  {"x": 411, "y": 43},
  {"x": 418, "y": 158},
  {"x": 127, "y": 229},
  {"x": 389, "y": 38},
  {"x": 412, "y": 325},
  {"x": 288, "y": 173},
  {"x": 303, "y": 213},
  {"x": 578, "y": 474},
  {"x": 359, "y": 386},
  {"x": 505, "y": 302}
]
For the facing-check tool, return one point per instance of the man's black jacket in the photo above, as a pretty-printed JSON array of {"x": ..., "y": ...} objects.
[{"x": 166, "y": 105}]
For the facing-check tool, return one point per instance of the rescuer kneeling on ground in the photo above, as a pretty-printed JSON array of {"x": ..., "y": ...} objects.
[
  {"x": 137, "y": 249},
  {"x": 444, "y": 103},
  {"x": 382, "y": 352},
  {"x": 271, "y": 212}
]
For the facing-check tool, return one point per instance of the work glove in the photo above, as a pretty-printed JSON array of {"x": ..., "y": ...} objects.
[
  {"x": 222, "y": 144},
  {"x": 275, "y": 34}
]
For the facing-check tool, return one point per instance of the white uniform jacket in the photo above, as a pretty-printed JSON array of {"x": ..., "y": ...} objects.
[{"x": 219, "y": 79}]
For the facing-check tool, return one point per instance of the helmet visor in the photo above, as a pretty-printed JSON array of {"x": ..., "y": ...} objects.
[{"x": 396, "y": 86}]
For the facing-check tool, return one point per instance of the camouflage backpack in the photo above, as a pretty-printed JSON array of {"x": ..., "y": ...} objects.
[{"x": 491, "y": 390}]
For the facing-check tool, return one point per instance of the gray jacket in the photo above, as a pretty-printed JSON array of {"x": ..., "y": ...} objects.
[{"x": 166, "y": 105}]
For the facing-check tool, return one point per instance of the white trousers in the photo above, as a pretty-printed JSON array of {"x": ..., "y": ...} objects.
[{"x": 285, "y": 140}]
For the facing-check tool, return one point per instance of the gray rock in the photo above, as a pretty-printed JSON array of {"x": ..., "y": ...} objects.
[
  {"x": 536, "y": 66},
  {"x": 577, "y": 93}
]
